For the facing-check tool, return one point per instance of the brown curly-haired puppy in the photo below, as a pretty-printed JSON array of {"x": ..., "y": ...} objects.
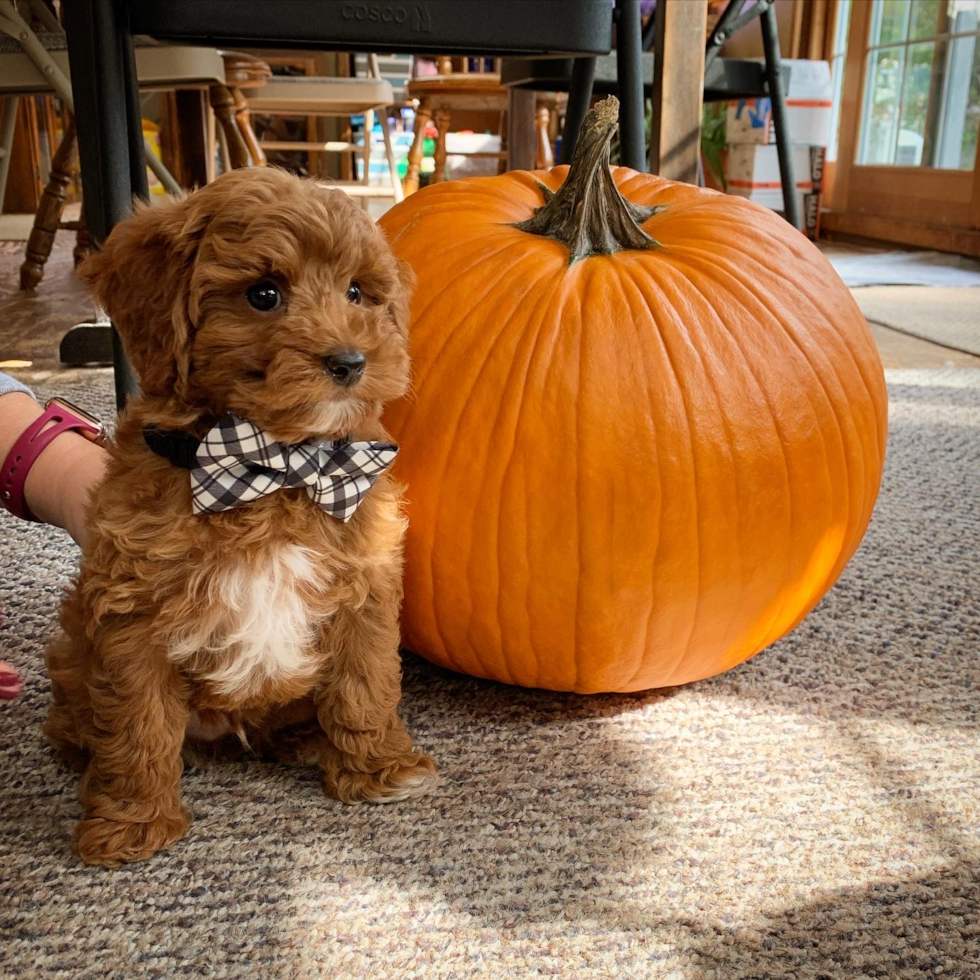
[{"x": 275, "y": 620}]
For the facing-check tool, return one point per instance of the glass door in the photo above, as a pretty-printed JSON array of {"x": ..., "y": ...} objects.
[{"x": 910, "y": 111}]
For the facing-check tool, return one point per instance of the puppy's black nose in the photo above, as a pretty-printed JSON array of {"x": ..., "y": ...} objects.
[{"x": 345, "y": 366}]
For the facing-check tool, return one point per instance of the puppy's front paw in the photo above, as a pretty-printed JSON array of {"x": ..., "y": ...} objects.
[
  {"x": 413, "y": 774},
  {"x": 113, "y": 843}
]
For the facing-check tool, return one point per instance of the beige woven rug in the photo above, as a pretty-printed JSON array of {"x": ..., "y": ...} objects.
[
  {"x": 945, "y": 315},
  {"x": 811, "y": 815}
]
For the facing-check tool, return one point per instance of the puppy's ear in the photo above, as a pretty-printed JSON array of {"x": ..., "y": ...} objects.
[{"x": 141, "y": 278}]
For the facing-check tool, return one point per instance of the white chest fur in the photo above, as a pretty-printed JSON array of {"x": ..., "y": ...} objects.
[{"x": 257, "y": 622}]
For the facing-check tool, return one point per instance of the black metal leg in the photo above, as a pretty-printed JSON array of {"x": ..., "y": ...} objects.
[
  {"x": 100, "y": 56},
  {"x": 784, "y": 149},
  {"x": 579, "y": 99},
  {"x": 629, "y": 70}
]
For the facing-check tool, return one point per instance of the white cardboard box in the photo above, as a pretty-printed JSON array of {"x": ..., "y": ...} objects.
[
  {"x": 752, "y": 171},
  {"x": 808, "y": 107}
]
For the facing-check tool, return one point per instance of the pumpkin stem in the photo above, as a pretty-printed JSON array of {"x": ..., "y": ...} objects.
[{"x": 587, "y": 214}]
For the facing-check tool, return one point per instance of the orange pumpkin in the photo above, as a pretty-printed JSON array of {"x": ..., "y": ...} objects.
[{"x": 647, "y": 428}]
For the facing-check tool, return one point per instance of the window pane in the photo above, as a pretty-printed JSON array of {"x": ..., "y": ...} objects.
[
  {"x": 918, "y": 117},
  {"x": 928, "y": 18},
  {"x": 957, "y": 144},
  {"x": 889, "y": 21},
  {"x": 879, "y": 127}
]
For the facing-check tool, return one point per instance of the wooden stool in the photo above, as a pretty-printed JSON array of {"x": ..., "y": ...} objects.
[
  {"x": 306, "y": 95},
  {"x": 439, "y": 95}
]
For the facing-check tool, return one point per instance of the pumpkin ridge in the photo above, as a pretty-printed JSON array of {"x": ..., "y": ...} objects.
[
  {"x": 768, "y": 636},
  {"x": 856, "y": 487},
  {"x": 747, "y": 360},
  {"x": 433, "y": 299},
  {"x": 541, "y": 300},
  {"x": 577, "y": 509},
  {"x": 731, "y": 455},
  {"x": 520, "y": 324},
  {"x": 628, "y": 272},
  {"x": 419, "y": 315},
  {"x": 846, "y": 341},
  {"x": 453, "y": 437},
  {"x": 791, "y": 518},
  {"x": 841, "y": 385},
  {"x": 450, "y": 442},
  {"x": 625, "y": 269},
  {"x": 772, "y": 632},
  {"x": 684, "y": 648}
]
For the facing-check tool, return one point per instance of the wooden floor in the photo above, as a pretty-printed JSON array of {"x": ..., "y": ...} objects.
[{"x": 33, "y": 323}]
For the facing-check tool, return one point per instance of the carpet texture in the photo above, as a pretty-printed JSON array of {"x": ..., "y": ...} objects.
[
  {"x": 811, "y": 815},
  {"x": 953, "y": 317}
]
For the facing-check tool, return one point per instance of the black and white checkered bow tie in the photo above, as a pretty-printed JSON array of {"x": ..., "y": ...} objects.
[{"x": 237, "y": 462}]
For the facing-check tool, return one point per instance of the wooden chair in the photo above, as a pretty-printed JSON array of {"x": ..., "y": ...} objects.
[
  {"x": 36, "y": 63},
  {"x": 465, "y": 84},
  {"x": 243, "y": 73},
  {"x": 304, "y": 95}
]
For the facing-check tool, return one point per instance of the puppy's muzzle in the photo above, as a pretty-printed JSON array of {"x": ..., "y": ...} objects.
[{"x": 345, "y": 366}]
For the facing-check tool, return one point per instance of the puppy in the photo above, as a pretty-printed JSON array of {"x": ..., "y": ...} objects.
[{"x": 243, "y": 575}]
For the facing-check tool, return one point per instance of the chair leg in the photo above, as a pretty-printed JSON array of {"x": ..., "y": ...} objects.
[
  {"x": 10, "y": 105},
  {"x": 579, "y": 100},
  {"x": 110, "y": 146},
  {"x": 544, "y": 155},
  {"x": 422, "y": 119},
  {"x": 396, "y": 184},
  {"x": 629, "y": 72},
  {"x": 780, "y": 124},
  {"x": 243, "y": 119},
  {"x": 48, "y": 216},
  {"x": 366, "y": 153},
  {"x": 442, "y": 124},
  {"x": 224, "y": 108}
]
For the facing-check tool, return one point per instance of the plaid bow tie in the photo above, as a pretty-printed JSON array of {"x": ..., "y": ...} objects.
[{"x": 237, "y": 462}]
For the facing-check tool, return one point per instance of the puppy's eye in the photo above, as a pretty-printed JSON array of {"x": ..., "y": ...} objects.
[
  {"x": 264, "y": 296},
  {"x": 354, "y": 293}
]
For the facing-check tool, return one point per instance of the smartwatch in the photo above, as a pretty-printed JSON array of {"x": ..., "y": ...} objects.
[{"x": 58, "y": 416}]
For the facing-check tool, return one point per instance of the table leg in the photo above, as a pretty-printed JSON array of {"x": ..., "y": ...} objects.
[
  {"x": 422, "y": 119},
  {"x": 442, "y": 124}
]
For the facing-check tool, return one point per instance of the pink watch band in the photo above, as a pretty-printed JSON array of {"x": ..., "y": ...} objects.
[{"x": 55, "y": 420}]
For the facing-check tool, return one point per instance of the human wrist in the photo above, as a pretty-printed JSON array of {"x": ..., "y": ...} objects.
[{"x": 56, "y": 487}]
